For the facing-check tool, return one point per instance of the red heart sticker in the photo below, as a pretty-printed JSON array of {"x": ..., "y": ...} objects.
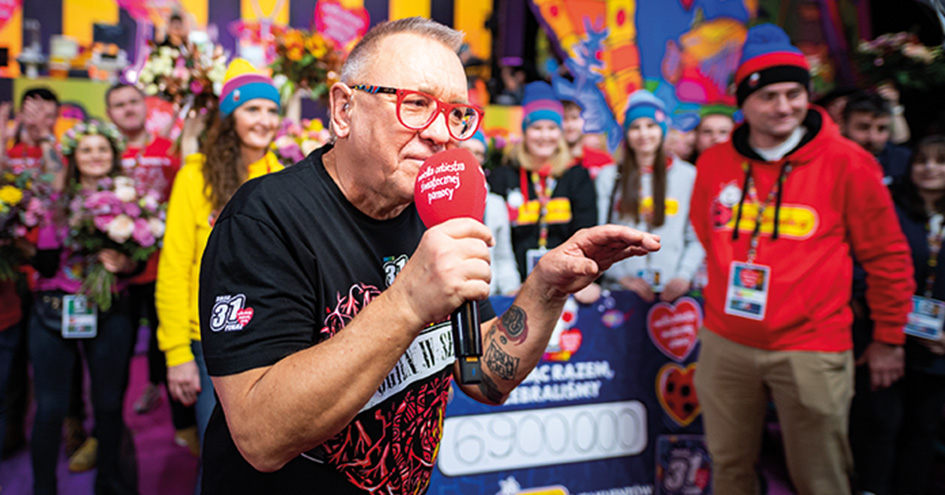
[
  {"x": 677, "y": 394},
  {"x": 673, "y": 328},
  {"x": 687, "y": 4},
  {"x": 570, "y": 340},
  {"x": 750, "y": 278},
  {"x": 244, "y": 315}
]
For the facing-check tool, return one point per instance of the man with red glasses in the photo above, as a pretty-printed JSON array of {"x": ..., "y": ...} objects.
[{"x": 324, "y": 301}]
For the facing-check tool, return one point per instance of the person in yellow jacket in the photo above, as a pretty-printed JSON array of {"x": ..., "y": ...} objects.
[{"x": 236, "y": 149}]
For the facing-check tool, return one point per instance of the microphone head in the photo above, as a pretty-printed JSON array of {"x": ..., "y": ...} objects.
[{"x": 450, "y": 184}]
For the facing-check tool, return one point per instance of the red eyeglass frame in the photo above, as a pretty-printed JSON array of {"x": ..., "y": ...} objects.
[{"x": 441, "y": 107}]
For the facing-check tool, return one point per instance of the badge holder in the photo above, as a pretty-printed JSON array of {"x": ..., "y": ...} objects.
[
  {"x": 926, "y": 318},
  {"x": 79, "y": 318},
  {"x": 747, "y": 292},
  {"x": 531, "y": 258}
]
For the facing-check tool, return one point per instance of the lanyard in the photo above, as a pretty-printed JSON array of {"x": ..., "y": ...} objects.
[
  {"x": 752, "y": 192},
  {"x": 935, "y": 247},
  {"x": 543, "y": 188}
]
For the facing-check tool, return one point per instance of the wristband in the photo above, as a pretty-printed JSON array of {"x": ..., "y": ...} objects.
[{"x": 898, "y": 110}]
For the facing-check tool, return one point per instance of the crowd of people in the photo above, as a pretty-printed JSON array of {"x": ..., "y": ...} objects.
[{"x": 813, "y": 236}]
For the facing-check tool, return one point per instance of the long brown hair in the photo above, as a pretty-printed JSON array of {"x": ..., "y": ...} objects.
[
  {"x": 72, "y": 168},
  {"x": 629, "y": 180},
  {"x": 223, "y": 170}
]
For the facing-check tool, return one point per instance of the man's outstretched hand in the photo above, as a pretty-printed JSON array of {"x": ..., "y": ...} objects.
[{"x": 573, "y": 265}]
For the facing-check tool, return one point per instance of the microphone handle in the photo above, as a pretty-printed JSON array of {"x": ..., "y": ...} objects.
[{"x": 467, "y": 341}]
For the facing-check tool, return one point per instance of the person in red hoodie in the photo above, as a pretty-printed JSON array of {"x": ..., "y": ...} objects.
[{"x": 780, "y": 209}]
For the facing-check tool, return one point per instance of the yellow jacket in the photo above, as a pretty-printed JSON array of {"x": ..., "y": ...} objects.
[{"x": 188, "y": 229}]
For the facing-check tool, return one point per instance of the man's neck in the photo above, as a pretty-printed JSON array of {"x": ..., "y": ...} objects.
[
  {"x": 136, "y": 139},
  {"x": 371, "y": 203},
  {"x": 577, "y": 150},
  {"x": 767, "y": 141}
]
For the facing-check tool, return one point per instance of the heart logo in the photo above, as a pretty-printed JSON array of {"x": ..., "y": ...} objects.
[
  {"x": 749, "y": 278},
  {"x": 570, "y": 340},
  {"x": 244, "y": 315},
  {"x": 687, "y": 4},
  {"x": 7, "y": 9},
  {"x": 677, "y": 394},
  {"x": 673, "y": 327}
]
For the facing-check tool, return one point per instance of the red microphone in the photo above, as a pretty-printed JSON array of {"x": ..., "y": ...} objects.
[{"x": 450, "y": 185}]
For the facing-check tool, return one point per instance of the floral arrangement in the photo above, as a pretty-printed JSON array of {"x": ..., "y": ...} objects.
[
  {"x": 23, "y": 202},
  {"x": 902, "y": 59},
  {"x": 305, "y": 60},
  {"x": 294, "y": 141},
  {"x": 70, "y": 140},
  {"x": 115, "y": 217},
  {"x": 187, "y": 76}
]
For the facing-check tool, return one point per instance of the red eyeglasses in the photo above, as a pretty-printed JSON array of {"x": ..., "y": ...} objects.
[{"x": 417, "y": 110}]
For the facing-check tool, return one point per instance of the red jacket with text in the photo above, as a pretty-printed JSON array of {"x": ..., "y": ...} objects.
[{"x": 833, "y": 205}]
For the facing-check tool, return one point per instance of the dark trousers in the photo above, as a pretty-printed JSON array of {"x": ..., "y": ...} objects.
[
  {"x": 923, "y": 397},
  {"x": 9, "y": 343},
  {"x": 108, "y": 357}
]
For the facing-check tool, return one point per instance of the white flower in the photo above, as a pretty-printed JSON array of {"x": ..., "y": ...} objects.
[
  {"x": 157, "y": 227},
  {"x": 121, "y": 228},
  {"x": 124, "y": 182},
  {"x": 308, "y": 146},
  {"x": 283, "y": 141},
  {"x": 125, "y": 194},
  {"x": 151, "y": 89}
]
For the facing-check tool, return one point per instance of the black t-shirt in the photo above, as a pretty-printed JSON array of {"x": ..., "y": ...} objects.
[
  {"x": 573, "y": 207},
  {"x": 289, "y": 263}
]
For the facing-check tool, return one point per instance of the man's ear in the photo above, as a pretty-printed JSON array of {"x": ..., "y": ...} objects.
[{"x": 341, "y": 105}]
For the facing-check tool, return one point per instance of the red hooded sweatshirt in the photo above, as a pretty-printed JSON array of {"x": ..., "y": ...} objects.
[{"x": 833, "y": 205}]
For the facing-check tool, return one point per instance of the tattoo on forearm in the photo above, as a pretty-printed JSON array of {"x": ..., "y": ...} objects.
[
  {"x": 514, "y": 325},
  {"x": 501, "y": 363},
  {"x": 490, "y": 390}
]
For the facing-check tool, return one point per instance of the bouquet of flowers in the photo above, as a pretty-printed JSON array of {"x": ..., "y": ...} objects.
[
  {"x": 900, "y": 58},
  {"x": 188, "y": 76},
  {"x": 23, "y": 199},
  {"x": 294, "y": 142},
  {"x": 115, "y": 217},
  {"x": 305, "y": 60}
]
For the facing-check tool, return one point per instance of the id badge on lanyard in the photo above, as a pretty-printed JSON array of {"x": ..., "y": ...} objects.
[
  {"x": 747, "y": 292},
  {"x": 79, "y": 318},
  {"x": 652, "y": 277},
  {"x": 926, "y": 318},
  {"x": 531, "y": 258}
]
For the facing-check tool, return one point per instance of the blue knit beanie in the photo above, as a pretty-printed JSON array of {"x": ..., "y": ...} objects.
[
  {"x": 644, "y": 104},
  {"x": 768, "y": 57},
  {"x": 540, "y": 103}
]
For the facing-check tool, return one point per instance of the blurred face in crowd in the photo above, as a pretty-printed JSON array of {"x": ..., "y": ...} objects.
[
  {"x": 713, "y": 129},
  {"x": 542, "y": 139},
  {"x": 475, "y": 147},
  {"x": 374, "y": 132},
  {"x": 835, "y": 109},
  {"x": 93, "y": 157},
  {"x": 928, "y": 168},
  {"x": 644, "y": 136},
  {"x": 868, "y": 130},
  {"x": 774, "y": 111},
  {"x": 572, "y": 125},
  {"x": 681, "y": 144},
  {"x": 257, "y": 121},
  {"x": 127, "y": 109},
  {"x": 39, "y": 118}
]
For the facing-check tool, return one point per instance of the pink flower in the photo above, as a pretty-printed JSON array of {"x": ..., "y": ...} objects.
[
  {"x": 196, "y": 87},
  {"x": 142, "y": 233},
  {"x": 102, "y": 221},
  {"x": 132, "y": 210}
]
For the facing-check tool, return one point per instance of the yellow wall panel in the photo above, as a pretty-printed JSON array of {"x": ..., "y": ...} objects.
[
  {"x": 79, "y": 15},
  {"x": 470, "y": 17},
  {"x": 399, "y": 9},
  {"x": 197, "y": 10},
  {"x": 11, "y": 37},
  {"x": 252, "y": 10}
]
